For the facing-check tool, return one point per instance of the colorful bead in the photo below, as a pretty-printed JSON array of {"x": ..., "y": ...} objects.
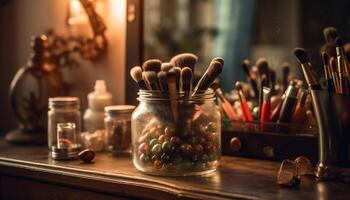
[
  {"x": 153, "y": 142},
  {"x": 186, "y": 149},
  {"x": 144, "y": 148},
  {"x": 166, "y": 146},
  {"x": 157, "y": 164},
  {"x": 157, "y": 149}
]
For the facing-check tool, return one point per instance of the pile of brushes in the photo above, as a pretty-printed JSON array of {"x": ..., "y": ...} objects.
[
  {"x": 264, "y": 99},
  {"x": 336, "y": 65},
  {"x": 175, "y": 78}
]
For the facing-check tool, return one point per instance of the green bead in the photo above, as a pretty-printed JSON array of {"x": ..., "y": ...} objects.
[
  {"x": 144, "y": 158},
  {"x": 166, "y": 146},
  {"x": 157, "y": 149},
  {"x": 213, "y": 157},
  {"x": 153, "y": 142},
  {"x": 205, "y": 158}
]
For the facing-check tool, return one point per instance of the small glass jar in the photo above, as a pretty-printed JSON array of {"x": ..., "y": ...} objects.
[
  {"x": 190, "y": 146},
  {"x": 64, "y": 114},
  {"x": 118, "y": 128}
]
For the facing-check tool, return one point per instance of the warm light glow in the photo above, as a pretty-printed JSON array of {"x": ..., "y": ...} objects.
[
  {"x": 77, "y": 15},
  {"x": 118, "y": 9}
]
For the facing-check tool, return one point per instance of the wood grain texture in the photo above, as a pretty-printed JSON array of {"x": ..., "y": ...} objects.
[{"x": 237, "y": 178}]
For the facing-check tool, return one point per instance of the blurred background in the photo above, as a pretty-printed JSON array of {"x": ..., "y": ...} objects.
[{"x": 239, "y": 29}]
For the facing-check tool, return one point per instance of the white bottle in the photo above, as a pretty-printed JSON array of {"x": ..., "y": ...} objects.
[{"x": 97, "y": 101}]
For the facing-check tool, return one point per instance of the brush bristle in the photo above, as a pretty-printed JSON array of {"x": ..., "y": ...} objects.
[
  {"x": 218, "y": 59},
  {"x": 273, "y": 76},
  {"x": 246, "y": 66},
  {"x": 338, "y": 42},
  {"x": 151, "y": 77},
  {"x": 214, "y": 69},
  {"x": 301, "y": 55},
  {"x": 263, "y": 66},
  {"x": 163, "y": 80},
  {"x": 161, "y": 76},
  {"x": 186, "y": 73},
  {"x": 166, "y": 66},
  {"x": 285, "y": 68},
  {"x": 238, "y": 85},
  {"x": 152, "y": 65},
  {"x": 171, "y": 76},
  {"x": 136, "y": 73},
  {"x": 263, "y": 80},
  {"x": 325, "y": 58},
  {"x": 330, "y": 33},
  {"x": 177, "y": 71},
  {"x": 184, "y": 60}
]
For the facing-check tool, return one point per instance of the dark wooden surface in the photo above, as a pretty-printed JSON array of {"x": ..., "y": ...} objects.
[{"x": 28, "y": 168}]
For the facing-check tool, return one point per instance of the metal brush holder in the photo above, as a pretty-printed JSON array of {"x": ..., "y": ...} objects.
[{"x": 333, "y": 119}]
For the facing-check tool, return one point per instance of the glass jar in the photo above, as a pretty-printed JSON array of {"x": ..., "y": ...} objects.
[
  {"x": 118, "y": 128},
  {"x": 64, "y": 111},
  {"x": 188, "y": 143}
]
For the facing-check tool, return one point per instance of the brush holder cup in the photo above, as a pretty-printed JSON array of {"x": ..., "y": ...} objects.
[
  {"x": 333, "y": 119},
  {"x": 181, "y": 142}
]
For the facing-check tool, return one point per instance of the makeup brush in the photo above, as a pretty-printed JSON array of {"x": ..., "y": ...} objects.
[
  {"x": 327, "y": 72},
  {"x": 213, "y": 71},
  {"x": 343, "y": 68},
  {"x": 136, "y": 75},
  {"x": 347, "y": 51},
  {"x": 177, "y": 71},
  {"x": 285, "y": 75},
  {"x": 306, "y": 67},
  {"x": 263, "y": 68},
  {"x": 151, "y": 78},
  {"x": 218, "y": 59},
  {"x": 163, "y": 83},
  {"x": 265, "y": 114},
  {"x": 247, "y": 115},
  {"x": 225, "y": 104},
  {"x": 276, "y": 111},
  {"x": 186, "y": 80},
  {"x": 146, "y": 82},
  {"x": 299, "y": 115},
  {"x": 288, "y": 105},
  {"x": 263, "y": 83},
  {"x": 184, "y": 60},
  {"x": 173, "y": 95},
  {"x": 273, "y": 81},
  {"x": 246, "y": 67},
  {"x": 334, "y": 73},
  {"x": 165, "y": 67},
  {"x": 152, "y": 65},
  {"x": 330, "y": 34}
]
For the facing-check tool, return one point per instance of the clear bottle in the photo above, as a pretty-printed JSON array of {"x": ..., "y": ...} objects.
[
  {"x": 192, "y": 146},
  {"x": 97, "y": 101},
  {"x": 118, "y": 128},
  {"x": 64, "y": 111}
]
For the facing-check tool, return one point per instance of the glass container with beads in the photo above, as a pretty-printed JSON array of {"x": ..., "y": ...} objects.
[{"x": 176, "y": 137}]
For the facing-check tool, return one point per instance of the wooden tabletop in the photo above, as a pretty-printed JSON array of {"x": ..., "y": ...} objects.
[{"x": 237, "y": 178}]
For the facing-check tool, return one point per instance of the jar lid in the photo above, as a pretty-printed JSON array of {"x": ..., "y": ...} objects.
[
  {"x": 119, "y": 109},
  {"x": 63, "y": 101}
]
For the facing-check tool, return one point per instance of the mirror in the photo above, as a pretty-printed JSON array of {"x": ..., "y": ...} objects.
[{"x": 241, "y": 29}]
